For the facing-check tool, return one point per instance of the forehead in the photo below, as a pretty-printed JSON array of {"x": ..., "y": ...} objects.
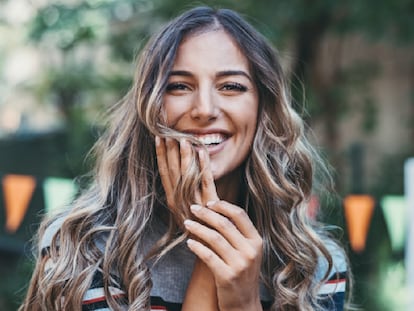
[{"x": 210, "y": 48}]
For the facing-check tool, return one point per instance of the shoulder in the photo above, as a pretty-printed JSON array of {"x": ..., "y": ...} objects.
[
  {"x": 339, "y": 261},
  {"x": 51, "y": 229},
  {"x": 53, "y": 226},
  {"x": 333, "y": 279}
]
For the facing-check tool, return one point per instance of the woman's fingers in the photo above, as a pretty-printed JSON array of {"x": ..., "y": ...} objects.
[
  {"x": 225, "y": 239},
  {"x": 227, "y": 220},
  {"x": 208, "y": 187},
  {"x": 236, "y": 270},
  {"x": 208, "y": 256},
  {"x": 173, "y": 160},
  {"x": 223, "y": 229},
  {"x": 211, "y": 238},
  {"x": 186, "y": 155},
  {"x": 221, "y": 225},
  {"x": 162, "y": 160},
  {"x": 237, "y": 215}
]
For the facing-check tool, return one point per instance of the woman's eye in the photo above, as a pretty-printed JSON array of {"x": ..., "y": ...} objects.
[
  {"x": 176, "y": 86},
  {"x": 234, "y": 86}
]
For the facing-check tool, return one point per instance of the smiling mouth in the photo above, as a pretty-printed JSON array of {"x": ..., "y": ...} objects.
[{"x": 210, "y": 140}]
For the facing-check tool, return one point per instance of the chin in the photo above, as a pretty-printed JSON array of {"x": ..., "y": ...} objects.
[
  {"x": 220, "y": 175},
  {"x": 217, "y": 173},
  {"x": 216, "y": 176}
]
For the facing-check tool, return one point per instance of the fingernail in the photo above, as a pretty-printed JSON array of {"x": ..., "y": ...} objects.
[
  {"x": 157, "y": 140},
  {"x": 190, "y": 242},
  {"x": 195, "y": 207},
  {"x": 210, "y": 203},
  {"x": 188, "y": 222},
  {"x": 183, "y": 142}
]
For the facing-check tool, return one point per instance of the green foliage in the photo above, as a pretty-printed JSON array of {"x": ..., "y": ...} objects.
[
  {"x": 378, "y": 19},
  {"x": 354, "y": 87},
  {"x": 370, "y": 116}
]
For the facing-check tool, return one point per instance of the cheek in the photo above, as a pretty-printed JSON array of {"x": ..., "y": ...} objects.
[
  {"x": 171, "y": 114},
  {"x": 251, "y": 129},
  {"x": 175, "y": 110},
  {"x": 248, "y": 115},
  {"x": 250, "y": 124}
]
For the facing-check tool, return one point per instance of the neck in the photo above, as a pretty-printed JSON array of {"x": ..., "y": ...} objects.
[{"x": 229, "y": 186}]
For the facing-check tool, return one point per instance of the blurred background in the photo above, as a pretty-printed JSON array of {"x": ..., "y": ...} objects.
[{"x": 351, "y": 63}]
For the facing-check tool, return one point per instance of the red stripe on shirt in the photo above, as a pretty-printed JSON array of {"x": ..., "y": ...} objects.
[{"x": 335, "y": 281}]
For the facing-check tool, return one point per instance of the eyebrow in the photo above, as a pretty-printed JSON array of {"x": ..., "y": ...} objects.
[
  {"x": 233, "y": 73},
  {"x": 219, "y": 74}
]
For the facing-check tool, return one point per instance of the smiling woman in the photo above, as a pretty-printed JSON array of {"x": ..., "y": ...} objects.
[{"x": 200, "y": 190}]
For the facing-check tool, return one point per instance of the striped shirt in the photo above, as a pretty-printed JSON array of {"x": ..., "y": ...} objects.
[
  {"x": 332, "y": 293},
  {"x": 171, "y": 274}
]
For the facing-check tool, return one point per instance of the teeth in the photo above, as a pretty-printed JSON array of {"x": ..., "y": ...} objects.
[{"x": 210, "y": 139}]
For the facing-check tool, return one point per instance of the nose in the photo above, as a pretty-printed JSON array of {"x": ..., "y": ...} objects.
[{"x": 204, "y": 107}]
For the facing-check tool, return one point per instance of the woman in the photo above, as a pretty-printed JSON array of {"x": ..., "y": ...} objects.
[{"x": 200, "y": 189}]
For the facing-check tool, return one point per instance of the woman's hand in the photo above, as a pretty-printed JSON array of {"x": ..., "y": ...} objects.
[
  {"x": 173, "y": 161},
  {"x": 226, "y": 242},
  {"x": 229, "y": 245}
]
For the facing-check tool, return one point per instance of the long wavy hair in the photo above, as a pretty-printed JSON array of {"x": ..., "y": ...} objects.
[{"x": 126, "y": 190}]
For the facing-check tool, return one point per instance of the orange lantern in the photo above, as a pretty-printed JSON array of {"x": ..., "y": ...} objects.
[
  {"x": 358, "y": 213},
  {"x": 18, "y": 191}
]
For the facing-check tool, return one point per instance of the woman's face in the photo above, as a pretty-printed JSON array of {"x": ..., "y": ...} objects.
[{"x": 211, "y": 95}]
